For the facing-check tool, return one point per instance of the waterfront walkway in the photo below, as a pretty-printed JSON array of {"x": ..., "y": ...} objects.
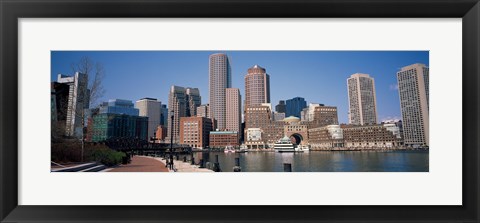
[
  {"x": 181, "y": 166},
  {"x": 141, "y": 164}
]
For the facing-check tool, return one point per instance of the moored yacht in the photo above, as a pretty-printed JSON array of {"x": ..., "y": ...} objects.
[
  {"x": 284, "y": 145},
  {"x": 229, "y": 149}
]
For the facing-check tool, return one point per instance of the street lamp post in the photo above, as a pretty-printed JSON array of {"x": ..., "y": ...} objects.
[{"x": 171, "y": 140}]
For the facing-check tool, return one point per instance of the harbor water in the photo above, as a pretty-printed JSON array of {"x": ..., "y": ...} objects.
[{"x": 322, "y": 161}]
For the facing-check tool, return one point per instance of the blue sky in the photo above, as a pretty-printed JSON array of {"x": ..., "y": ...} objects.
[{"x": 317, "y": 76}]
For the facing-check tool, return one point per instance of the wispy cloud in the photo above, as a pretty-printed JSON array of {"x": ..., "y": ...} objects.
[
  {"x": 391, "y": 118},
  {"x": 393, "y": 87}
]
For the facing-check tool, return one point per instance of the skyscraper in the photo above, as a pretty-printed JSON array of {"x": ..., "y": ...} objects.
[
  {"x": 295, "y": 106},
  {"x": 220, "y": 78},
  {"x": 178, "y": 104},
  {"x": 193, "y": 99},
  {"x": 78, "y": 100},
  {"x": 361, "y": 99},
  {"x": 414, "y": 103},
  {"x": 257, "y": 86},
  {"x": 233, "y": 109},
  {"x": 280, "y": 108},
  {"x": 164, "y": 115},
  {"x": 150, "y": 107}
]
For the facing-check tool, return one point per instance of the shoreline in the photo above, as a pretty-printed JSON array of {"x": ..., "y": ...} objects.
[{"x": 329, "y": 149}]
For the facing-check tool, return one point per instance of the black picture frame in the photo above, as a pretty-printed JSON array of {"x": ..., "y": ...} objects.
[{"x": 11, "y": 11}]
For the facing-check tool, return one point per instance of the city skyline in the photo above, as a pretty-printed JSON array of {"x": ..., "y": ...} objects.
[{"x": 317, "y": 76}]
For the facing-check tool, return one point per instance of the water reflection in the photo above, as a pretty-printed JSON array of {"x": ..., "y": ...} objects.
[{"x": 322, "y": 161}]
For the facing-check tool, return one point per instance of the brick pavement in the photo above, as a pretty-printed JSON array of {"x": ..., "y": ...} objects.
[{"x": 141, "y": 164}]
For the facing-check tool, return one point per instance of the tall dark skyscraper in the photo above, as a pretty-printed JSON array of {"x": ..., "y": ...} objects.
[
  {"x": 295, "y": 106},
  {"x": 164, "y": 115},
  {"x": 281, "y": 107}
]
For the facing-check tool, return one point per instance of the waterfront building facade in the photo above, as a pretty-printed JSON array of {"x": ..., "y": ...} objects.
[
  {"x": 295, "y": 129},
  {"x": 374, "y": 136},
  {"x": 257, "y": 86},
  {"x": 413, "y": 88},
  {"x": 233, "y": 110},
  {"x": 361, "y": 99},
  {"x": 220, "y": 78},
  {"x": 274, "y": 132},
  {"x": 194, "y": 131},
  {"x": 107, "y": 126},
  {"x": 297, "y": 132},
  {"x": 254, "y": 139},
  {"x": 221, "y": 139},
  {"x": 150, "y": 107},
  {"x": 295, "y": 106},
  {"x": 280, "y": 107},
  {"x": 119, "y": 106},
  {"x": 328, "y": 137},
  {"x": 78, "y": 100}
]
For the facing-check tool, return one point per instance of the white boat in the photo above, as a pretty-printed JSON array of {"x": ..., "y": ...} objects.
[
  {"x": 243, "y": 149},
  {"x": 229, "y": 149},
  {"x": 302, "y": 149},
  {"x": 284, "y": 145}
]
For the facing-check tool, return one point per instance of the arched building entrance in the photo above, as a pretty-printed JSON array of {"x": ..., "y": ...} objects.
[{"x": 296, "y": 138}]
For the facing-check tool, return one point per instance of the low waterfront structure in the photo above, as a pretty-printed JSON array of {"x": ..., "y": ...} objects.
[
  {"x": 326, "y": 137},
  {"x": 297, "y": 130},
  {"x": 374, "y": 136},
  {"x": 221, "y": 139},
  {"x": 254, "y": 139}
]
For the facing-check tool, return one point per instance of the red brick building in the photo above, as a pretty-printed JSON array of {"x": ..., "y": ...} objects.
[
  {"x": 194, "y": 131},
  {"x": 220, "y": 139},
  {"x": 161, "y": 133}
]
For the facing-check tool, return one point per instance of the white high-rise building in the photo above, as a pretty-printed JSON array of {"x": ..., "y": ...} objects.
[
  {"x": 78, "y": 100},
  {"x": 220, "y": 78},
  {"x": 151, "y": 108},
  {"x": 233, "y": 114},
  {"x": 361, "y": 99},
  {"x": 413, "y": 90}
]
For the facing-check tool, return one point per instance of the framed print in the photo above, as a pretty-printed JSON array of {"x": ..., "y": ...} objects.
[{"x": 174, "y": 111}]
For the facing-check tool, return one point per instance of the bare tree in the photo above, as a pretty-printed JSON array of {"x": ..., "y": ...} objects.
[{"x": 95, "y": 73}]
